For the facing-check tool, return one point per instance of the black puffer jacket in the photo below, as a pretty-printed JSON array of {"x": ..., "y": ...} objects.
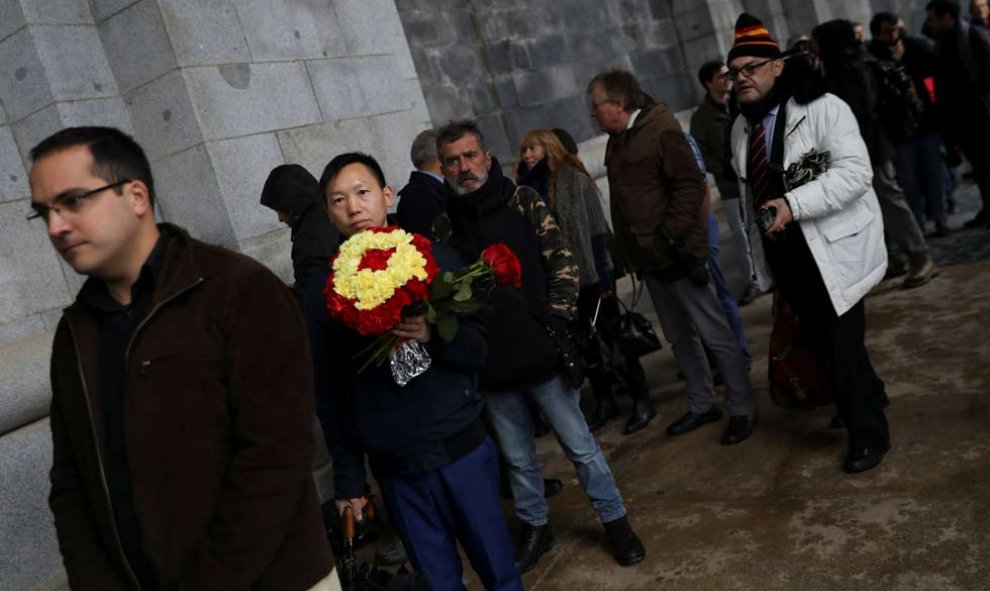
[
  {"x": 849, "y": 71},
  {"x": 292, "y": 190}
]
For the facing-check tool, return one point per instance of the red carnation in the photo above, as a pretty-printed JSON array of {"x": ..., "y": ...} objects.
[{"x": 504, "y": 264}]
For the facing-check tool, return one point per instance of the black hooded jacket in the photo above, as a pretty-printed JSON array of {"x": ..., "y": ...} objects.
[{"x": 290, "y": 189}]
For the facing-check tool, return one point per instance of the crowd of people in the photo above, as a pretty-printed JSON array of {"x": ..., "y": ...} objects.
[{"x": 185, "y": 377}]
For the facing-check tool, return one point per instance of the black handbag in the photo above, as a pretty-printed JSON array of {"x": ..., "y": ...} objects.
[{"x": 636, "y": 334}]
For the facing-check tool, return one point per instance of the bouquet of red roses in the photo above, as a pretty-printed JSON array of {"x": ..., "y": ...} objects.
[{"x": 381, "y": 275}]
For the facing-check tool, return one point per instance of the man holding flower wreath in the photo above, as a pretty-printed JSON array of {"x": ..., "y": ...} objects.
[{"x": 426, "y": 443}]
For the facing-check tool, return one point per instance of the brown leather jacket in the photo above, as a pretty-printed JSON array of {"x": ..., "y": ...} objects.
[
  {"x": 218, "y": 430},
  {"x": 656, "y": 187}
]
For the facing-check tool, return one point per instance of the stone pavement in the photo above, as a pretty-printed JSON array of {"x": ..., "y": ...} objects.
[{"x": 776, "y": 512}]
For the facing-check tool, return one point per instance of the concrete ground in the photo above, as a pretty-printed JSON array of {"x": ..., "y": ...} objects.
[{"x": 776, "y": 512}]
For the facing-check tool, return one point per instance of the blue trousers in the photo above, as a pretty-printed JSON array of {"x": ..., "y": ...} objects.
[
  {"x": 514, "y": 428},
  {"x": 725, "y": 296},
  {"x": 456, "y": 503}
]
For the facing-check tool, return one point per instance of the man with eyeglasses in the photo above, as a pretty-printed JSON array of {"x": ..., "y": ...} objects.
[
  {"x": 820, "y": 242},
  {"x": 660, "y": 214},
  {"x": 182, "y": 440}
]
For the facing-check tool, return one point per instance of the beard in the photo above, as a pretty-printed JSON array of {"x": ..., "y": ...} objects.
[{"x": 458, "y": 184}]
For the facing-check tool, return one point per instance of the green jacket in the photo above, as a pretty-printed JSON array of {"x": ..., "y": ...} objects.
[{"x": 710, "y": 127}]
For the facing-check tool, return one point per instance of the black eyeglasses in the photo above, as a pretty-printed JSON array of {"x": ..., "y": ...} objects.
[
  {"x": 748, "y": 70},
  {"x": 69, "y": 205}
]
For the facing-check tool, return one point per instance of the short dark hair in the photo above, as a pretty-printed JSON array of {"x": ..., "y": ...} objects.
[
  {"x": 944, "y": 7},
  {"x": 879, "y": 20},
  {"x": 334, "y": 167},
  {"x": 116, "y": 156},
  {"x": 621, "y": 86},
  {"x": 708, "y": 70},
  {"x": 455, "y": 130}
]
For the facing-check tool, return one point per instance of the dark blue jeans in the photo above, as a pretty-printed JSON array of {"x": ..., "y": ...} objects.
[
  {"x": 922, "y": 176},
  {"x": 457, "y": 503}
]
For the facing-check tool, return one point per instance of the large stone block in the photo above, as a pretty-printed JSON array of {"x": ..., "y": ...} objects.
[
  {"x": 417, "y": 102},
  {"x": 13, "y": 177},
  {"x": 445, "y": 103},
  {"x": 393, "y": 135},
  {"x": 273, "y": 250},
  {"x": 241, "y": 166},
  {"x": 189, "y": 195},
  {"x": 302, "y": 29},
  {"x": 313, "y": 146},
  {"x": 137, "y": 45},
  {"x": 25, "y": 391},
  {"x": 363, "y": 23},
  {"x": 56, "y": 12},
  {"x": 570, "y": 113},
  {"x": 29, "y": 558},
  {"x": 103, "y": 9},
  {"x": 204, "y": 32},
  {"x": 550, "y": 83},
  {"x": 24, "y": 85},
  {"x": 75, "y": 63},
  {"x": 243, "y": 99},
  {"x": 107, "y": 112},
  {"x": 34, "y": 128},
  {"x": 11, "y": 17},
  {"x": 29, "y": 267},
  {"x": 356, "y": 87},
  {"x": 17, "y": 330},
  {"x": 163, "y": 116}
]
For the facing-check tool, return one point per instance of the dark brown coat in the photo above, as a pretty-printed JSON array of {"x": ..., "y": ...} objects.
[
  {"x": 655, "y": 186},
  {"x": 218, "y": 412}
]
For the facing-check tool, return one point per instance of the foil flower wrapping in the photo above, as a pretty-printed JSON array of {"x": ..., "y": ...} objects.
[{"x": 409, "y": 360}]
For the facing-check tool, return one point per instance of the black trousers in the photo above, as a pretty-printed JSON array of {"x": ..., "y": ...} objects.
[
  {"x": 603, "y": 373},
  {"x": 839, "y": 341}
]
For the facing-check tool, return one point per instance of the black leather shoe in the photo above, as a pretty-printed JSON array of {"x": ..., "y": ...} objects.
[
  {"x": 643, "y": 412},
  {"x": 534, "y": 541},
  {"x": 552, "y": 486},
  {"x": 692, "y": 420},
  {"x": 861, "y": 459},
  {"x": 626, "y": 546},
  {"x": 605, "y": 410},
  {"x": 740, "y": 427}
]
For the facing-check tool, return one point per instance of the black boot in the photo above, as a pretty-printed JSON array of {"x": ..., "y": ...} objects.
[
  {"x": 643, "y": 412},
  {"x": 605, "y": 410},
  {"x": 534, "y": 541},
  {"x": 626, "y": 546}
]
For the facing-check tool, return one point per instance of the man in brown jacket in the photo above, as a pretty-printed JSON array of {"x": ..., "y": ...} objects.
[
  {"x": 660, "y": 214},
  {"x": 181, "y": 436}
]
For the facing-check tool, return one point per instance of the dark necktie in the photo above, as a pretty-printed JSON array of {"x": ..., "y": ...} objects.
[{"x": 759, "y": 166}]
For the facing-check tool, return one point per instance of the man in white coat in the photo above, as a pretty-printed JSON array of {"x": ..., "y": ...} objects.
[{"x": 818, "y": 241}]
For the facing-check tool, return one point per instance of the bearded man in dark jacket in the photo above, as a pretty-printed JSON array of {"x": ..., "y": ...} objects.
[
  {"x": 182, "y": 440},
  {"x": 851, "y": 74},
  {"x": 294, "y": 194},
  {"x": 660, "y": 214},
  {"x": 525, "y": 361}
]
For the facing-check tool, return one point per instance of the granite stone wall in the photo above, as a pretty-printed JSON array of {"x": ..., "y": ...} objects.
[{"x": 221, "y": 91}]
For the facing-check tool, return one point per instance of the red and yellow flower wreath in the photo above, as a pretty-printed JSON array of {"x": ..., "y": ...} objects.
[{"x": 375, "y": 275}]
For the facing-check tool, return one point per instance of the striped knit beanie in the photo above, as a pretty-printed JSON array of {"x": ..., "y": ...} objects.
[{"x": 752, "y": 38}]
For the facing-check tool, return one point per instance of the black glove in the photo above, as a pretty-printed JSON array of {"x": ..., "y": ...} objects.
[{"x": 699, "y": 276}]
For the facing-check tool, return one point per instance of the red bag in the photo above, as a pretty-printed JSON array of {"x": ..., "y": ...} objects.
[{"x": 798, "y": 379}]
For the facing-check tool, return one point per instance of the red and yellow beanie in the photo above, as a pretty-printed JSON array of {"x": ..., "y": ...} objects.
[{"x": 752, "y": 38}]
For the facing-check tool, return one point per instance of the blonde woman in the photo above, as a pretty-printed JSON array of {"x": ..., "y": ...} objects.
[{"x": 571, "y": 194}]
